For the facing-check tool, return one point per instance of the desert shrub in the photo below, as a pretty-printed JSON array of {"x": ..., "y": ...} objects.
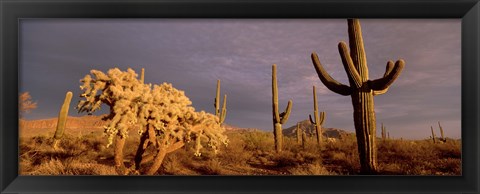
[
  {"x": 257, "y": 140},
  {"x": 310, "y": 169},
  {"x": 235, "y": 153}
]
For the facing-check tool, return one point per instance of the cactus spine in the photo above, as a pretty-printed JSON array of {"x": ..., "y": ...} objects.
[
  {"x": 62, "y": 119},
  {"x": 319, "y": 120},
  {"x": 361, "y": 90},
  {"x": 221, "y": 115},
  {"x": 433, "y": 134},
  {"x": 278, "y": 118}
]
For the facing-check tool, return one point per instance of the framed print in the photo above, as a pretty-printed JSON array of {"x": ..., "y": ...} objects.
[{"x": 239, "y": 96}]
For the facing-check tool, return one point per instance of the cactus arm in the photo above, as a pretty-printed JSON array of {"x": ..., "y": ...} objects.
[
  {"x": 389, "y": 68},
  {"x": 322, "y": 118},
  {"x": 142, "y": 76},
  {"x": 384, "y": 82},
  {"x": 348, "y": 64},
  {"x": 286, "y": 114},
  {"x": 387, "y": 71},
  {"x": 311, "y": 120},
  {"x": 224, "y": 109},
  {"x": 327, "y": 80}
]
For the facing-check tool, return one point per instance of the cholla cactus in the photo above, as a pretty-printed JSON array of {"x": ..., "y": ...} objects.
[{"x": 165, "y": 115}]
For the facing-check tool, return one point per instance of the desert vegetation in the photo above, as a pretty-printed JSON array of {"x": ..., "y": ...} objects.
[
  {"x": 249, "y": 152},
  {"x": 155, "y": 130}
]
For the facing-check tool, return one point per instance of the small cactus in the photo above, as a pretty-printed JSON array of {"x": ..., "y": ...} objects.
[
  {"x": 319, "y": 120},
  {"x": 433, "y": 134},
  {"x": 221, "y": 115},
  {"x": 278, "y": 118},
  {"x": 142, "y": 76},
  {"x": 384, "y": 132},
  {"x": 62, "y": 120},
  {"x": 299, "y": 134},
  {"x": 441, "y": 133},
  {"x": 304, "y": 139}
]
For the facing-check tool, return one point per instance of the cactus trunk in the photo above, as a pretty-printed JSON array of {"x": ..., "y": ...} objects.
[
  {"x": 441, "y": 132},
  {"x": 62, "y": 119},
  {"x": 119, "y": 144},
  {"x": 364, "y": 121},
  {"x": 142, "y": 76},
  {"x": 433, "y": 134},
  {"x": 304, "y": 139},
  {"x": 162, "y": 151},
  {"x": 278, "y": 118},
  {"x": 318, "y": 119},
  {"x": 361, "y": 90},
  {"x": 299, "y": 134}
]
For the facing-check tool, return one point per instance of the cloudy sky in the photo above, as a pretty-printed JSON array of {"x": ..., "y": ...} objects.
[{"x": 193, "y": 53}]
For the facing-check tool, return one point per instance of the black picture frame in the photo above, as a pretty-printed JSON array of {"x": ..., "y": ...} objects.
[{"x": 13, "y": 10}]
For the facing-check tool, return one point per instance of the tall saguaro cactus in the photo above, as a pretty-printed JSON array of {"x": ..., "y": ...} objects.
[
  {"x": 278, "y": 118},
  {"x": 62, "y": 119},
  {"x": 319, "y": 119},
  {"x": 361, "y": 90},
  {"x": 221, "y": 115}
]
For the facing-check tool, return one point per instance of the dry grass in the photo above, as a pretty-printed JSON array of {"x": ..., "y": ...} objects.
[{"x": 248, "y": 153}]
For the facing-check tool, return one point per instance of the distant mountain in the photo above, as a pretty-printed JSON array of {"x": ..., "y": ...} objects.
[
  {"x": 89, "y": 121},
  {"x": 310, "y": 130}
]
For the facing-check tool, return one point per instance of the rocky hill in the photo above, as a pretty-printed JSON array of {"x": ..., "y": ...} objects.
[{"x": 310, "y": 130}]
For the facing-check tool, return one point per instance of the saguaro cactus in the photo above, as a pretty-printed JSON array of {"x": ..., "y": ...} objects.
[
  {"x": 278, "y": 118},
  {"x": 441, "y": 133},
  {"x": 221, "y": 115},
  {"x": 142, "y": 76},
  {"x": 62, "y": 119},
  {"x": 384, "y": 132},
  {"x": 361, "y": 90},
  {"x": 304, "y": 139},
  {"x": 318, "y": 122},
  {"x": 299, "y": 134},
  {"x": 433, "y": 134}
]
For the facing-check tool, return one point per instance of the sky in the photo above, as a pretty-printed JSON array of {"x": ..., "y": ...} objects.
[{"x": 193, "y": 53}]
